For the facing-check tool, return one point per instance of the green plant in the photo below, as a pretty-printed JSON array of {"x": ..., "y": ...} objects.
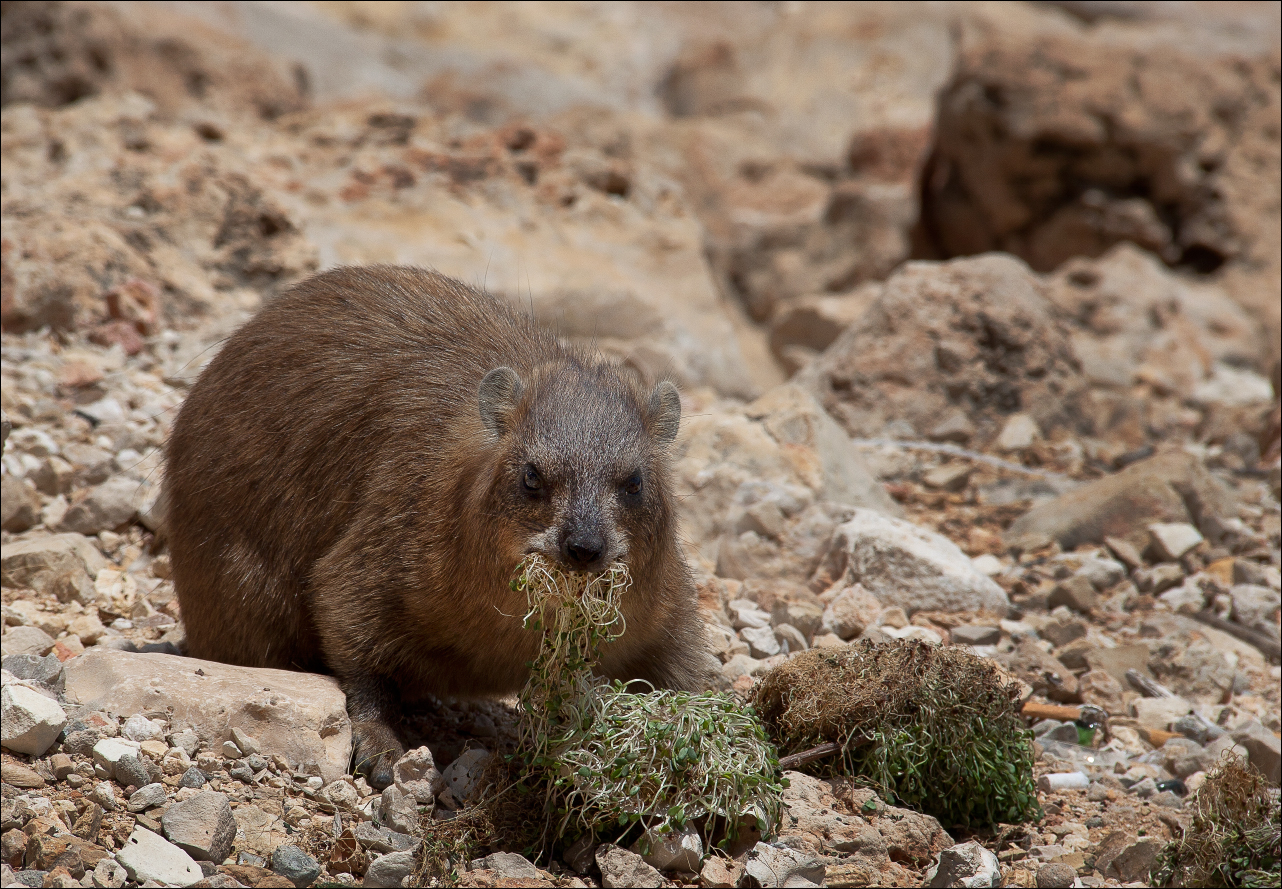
[
  {"x": 1236, "y": 835},
  {"x": 609, "y": 757},
  {"x": 936, "y": 729}
]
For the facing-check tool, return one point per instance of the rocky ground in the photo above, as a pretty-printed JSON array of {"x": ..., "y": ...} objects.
[{"x": 975, "y": 311}]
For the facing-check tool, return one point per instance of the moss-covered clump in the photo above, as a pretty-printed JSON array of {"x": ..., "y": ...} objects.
[
  {"x": 936, "y": 729},
  {"x": 1236, "y": 835},
  {"x": 608, "y": 757}
]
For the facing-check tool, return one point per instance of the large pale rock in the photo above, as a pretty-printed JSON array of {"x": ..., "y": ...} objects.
[
  {"x": 951, "y": 350},
  {"x": 905, "y": 565},
  {"x": 1173, "y": 487},
  {"x": 621, "y": 868},
  {"x": 30, "y": 721},
  {"x": 300, "y": 716},
  {"x": 149, "y": 856},
  {"x": 64, "y": 564},
  {"x": 777, "y": 865}
]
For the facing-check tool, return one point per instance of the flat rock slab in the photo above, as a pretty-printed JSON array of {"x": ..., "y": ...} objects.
[
  {"x": 1169, "y": 488},
  {"x": 301, "y": 716}
]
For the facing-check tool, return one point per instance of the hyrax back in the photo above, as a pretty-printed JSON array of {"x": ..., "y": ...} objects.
[{"x": 353, "y": 479}]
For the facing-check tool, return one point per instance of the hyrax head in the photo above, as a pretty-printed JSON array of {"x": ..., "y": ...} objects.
[{"x": 582, "y": 467}]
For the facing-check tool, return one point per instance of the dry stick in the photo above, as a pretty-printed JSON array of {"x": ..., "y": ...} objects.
[
  {"x": 954, "y": 451},
  {"x": 1266, "y": 645},
  {"x": 797, "y": 760},
  {"x": 1148, "y": 687}
]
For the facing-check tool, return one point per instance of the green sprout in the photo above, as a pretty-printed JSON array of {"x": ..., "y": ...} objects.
[{"x": 609, "y": 757}]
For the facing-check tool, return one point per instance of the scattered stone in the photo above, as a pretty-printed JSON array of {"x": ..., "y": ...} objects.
[
  {"x": 140, "y": 728},
  {"x": 19, "y": 504},
  {"x": 46, "y": 672},
  {"x": 509, "y": 866},
  {"x": 720, "y": 873},
  {"x": 773, "y": 865},
  {"x": 63, "y": 564},
  {"x": 972, "y": 634},
  {"x": 905, "y": 565},
  {"x": 1160, "y": 713},
  {"x": 1056, "y": 875},
  {"x": 1134, "y": 862},
  {"x": 1159, "y": 578},
  {"x": 621, "y": 868},
  {"x": 1172, "y": 487},
  {"x": 202, "y": 826},
  {"x": 131, "y": 769},
  {"x": 948, "y": 477},
  {"x": 147, "y": 797},
  {"x": 967, "y": 865},
  {"x": 399, "y": 810},
  {"x": 29, "y": 641},
  {"x": 682, "y": 850},
  {"x": 19, "y": 775},
  {"x": 103, "y": 507},
  {"x": 148, "y": 856},
  {"x": 1171, "y": 540},
  {"x": 29, "y": 721},
  {"x": 193, "y": 777},
  {"x": 1099, "y": 689},
  {"x": 462, "y": 775},
  {"x": 388, "y": 871},
  {"x": 1263, "y": 749},
  {"x": 762, "y": 642},
  {"x": 1077, "y": 593},
  {"x": 300, "y": 716},
  {"x": 295, "y": 865},
  {"x": 108, "y": 874}
]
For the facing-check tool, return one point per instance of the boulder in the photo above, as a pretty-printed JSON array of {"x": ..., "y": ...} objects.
[{"x": 299, "y": 716}]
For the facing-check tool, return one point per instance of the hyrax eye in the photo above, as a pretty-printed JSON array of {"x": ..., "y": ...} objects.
[
  {"x": 632, "y": 486},
  {"x": 531, "y": 481}
]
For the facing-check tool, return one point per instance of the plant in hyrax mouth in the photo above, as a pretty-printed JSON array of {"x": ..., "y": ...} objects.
[{"x": 607, "y": 757}]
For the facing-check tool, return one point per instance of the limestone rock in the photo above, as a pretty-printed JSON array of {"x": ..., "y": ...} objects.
[
  {"x": 148, "y": 856},
  {"x": 64, "y": 564},
  {"x": 967, "y": 865},
  {"x": 621, "y": 868},
  {"x": 202, "y": 826},
  {"x": 31, "y": 722},
  {"x": 299, "y": 716},
  {"x": 777, "y": 866},
  {"x": 905, "y": 565}
]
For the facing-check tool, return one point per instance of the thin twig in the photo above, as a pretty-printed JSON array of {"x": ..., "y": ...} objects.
[
  {"x": 954, "y": 451},
  {"x": 796, "y": 760}
]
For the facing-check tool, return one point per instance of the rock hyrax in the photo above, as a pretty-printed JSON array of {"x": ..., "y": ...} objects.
[{"x": 354, "y": 477}]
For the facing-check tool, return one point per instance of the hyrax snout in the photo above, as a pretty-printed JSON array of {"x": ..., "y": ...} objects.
[{"x": 353, "y": 479}]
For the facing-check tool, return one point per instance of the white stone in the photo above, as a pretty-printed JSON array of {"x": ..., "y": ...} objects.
[
  {"x": 462, "y": 775},
  {"x": 416, "y": 774},
  {"x": 149, "y": 856},
  {"x": 761, "y": 641},
  {"x": 108, "y": 874},
  {"x": 29, "y": 721},
  {"x": 776, "y": 866},
  {"x": 967, "y": 866},
  {"x": 107, "y": 752},
  {"x": 746, "y": 613},
  {"x": 387, "y": 871},
  {"x": 680, "y": 850},
  {"x": 914, "y": 634},
  {"x": 988, "y": 564},
  {"x": 1174, "y": 539},
  {"x": 139, "y": 728},
  {"x": 912, "y": 567},
  {"x": 1232, "y": 386},
  {"x": 1019, "y": 432}
]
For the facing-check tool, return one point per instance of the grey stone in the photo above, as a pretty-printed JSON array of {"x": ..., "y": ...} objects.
[
  {"x": 387, "y": 871},
  {"x": 62, "y": 564},
  {"x": 29, "y": 721},
  {"x": 1133, "y": 863},
  {"x": 149, "y": 856},
  {"x": 295, "y": 865},
  {"x": 1159, "y": 578},
  {"x": 139, "y": 728},
  {"x": 1256, "y": 606},
  {"x": 185, "y": 740},
  {"x": 850, "y": 612},
  {"x": 679, "y": 850},
  {"x": 108, "y": 874},
  {"x": 398, "y": 810},
  {"x": 381, "y": 840},
  {"x": 1173, "y": 539},
  {"x": 507, "y": 866},
  {"x": 202, "y": 826},
  {"x": 1056, "y": 875},
  {"x": 46, "y": 671},
  {"x": 1262, "y": 747},
  {"x": 104, "y": 507},
  {"x": 967, "y": 865},
  {"x": 744, "y": 613},
  {"x": 33, "y": 878},
  {"x": 193, "y": 777},
  {"x": 909, "y": 566},
  {"x": 621, "y": 869},
  {"x": 300, "y": 716},
  {"x": 776, "y": 865},
  {"x": 247, "y": 744},
  {"x": 147, "y": 797},
  {"x": 1077, "y": 593},
  {"x": 130, "y": 769},
  {"x": 31, "y": 641},
  {"x": 790, "y": 638},
  {"x": 972, "y": 634},
  {"x": 462, "y": 775},
  {"x": 19, "y": 504}
]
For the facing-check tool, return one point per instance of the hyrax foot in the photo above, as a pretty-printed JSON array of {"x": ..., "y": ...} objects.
[
  {"x": 375, "y": 748},
  {"x": 374, "y": 708}
]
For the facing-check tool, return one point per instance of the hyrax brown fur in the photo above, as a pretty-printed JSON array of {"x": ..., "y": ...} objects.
[{"x": 354, "y": 477}]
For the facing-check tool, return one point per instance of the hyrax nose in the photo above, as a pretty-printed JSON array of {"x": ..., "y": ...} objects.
[{"x": 582, "y": 550}]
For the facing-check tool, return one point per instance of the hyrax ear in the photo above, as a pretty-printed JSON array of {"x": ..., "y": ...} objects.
[
  {"x": 665, "y": 412},
  {"x": 497, "y": 397}
]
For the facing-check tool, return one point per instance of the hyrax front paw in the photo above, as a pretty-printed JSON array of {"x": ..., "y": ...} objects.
[{"x": 375, "y": 750}]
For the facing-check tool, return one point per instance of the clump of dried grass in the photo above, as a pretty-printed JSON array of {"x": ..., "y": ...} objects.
[
  {"x": 1236, "y": 835},
  {"x": 936, "y": 729}
]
